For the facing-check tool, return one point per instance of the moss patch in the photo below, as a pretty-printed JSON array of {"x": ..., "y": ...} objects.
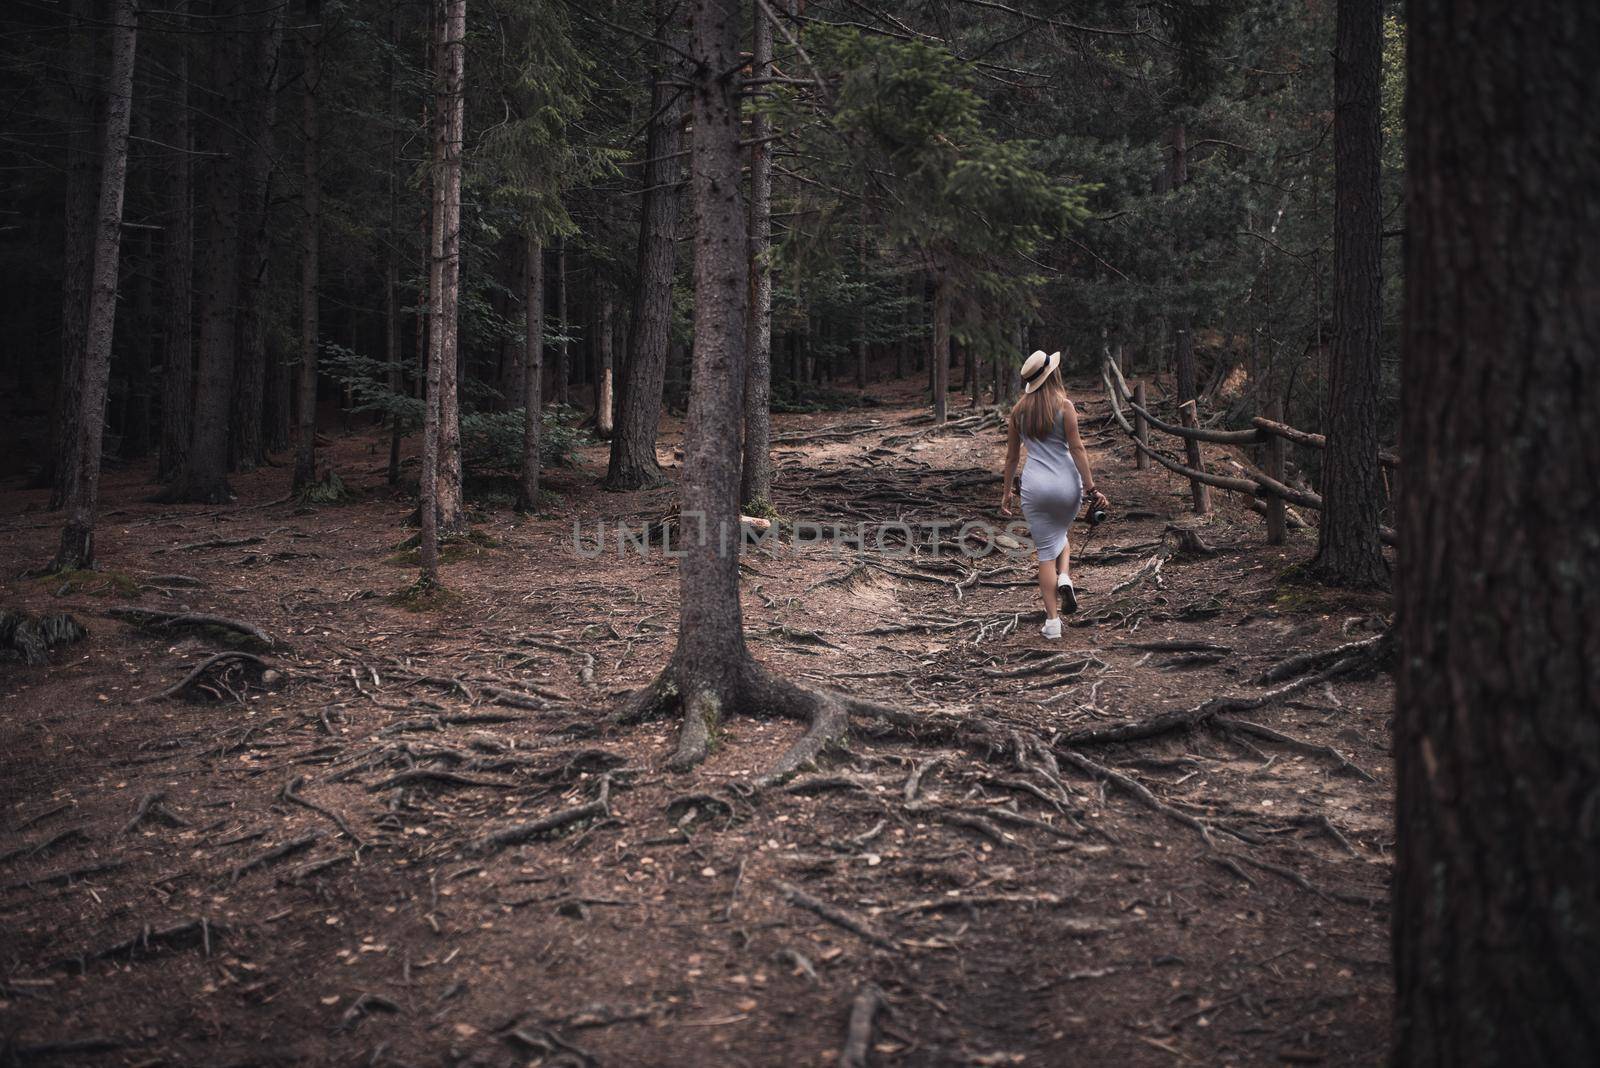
[
  {"x": 330, "y": 489},
  {"x": 95, "y": 583},
  {"x": 453, "y": 548},
  {"x": 423, "y": 597}
]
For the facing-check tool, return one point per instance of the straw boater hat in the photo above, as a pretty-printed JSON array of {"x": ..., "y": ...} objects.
[{"x": 1037, "y": 368}]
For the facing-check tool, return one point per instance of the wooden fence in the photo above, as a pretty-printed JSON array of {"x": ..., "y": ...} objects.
[{"x": 1267, "y": 491}]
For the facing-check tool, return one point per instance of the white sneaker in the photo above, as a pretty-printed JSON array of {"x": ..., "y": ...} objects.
[
  {"x": 1066, "y": 596},
  {"x": 1052, "y": 629}
]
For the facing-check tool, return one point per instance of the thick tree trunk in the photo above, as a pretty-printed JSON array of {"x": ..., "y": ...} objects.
[
  {"x": 755, "y": 479},
  {"x": 205, "y": 478},
  {"x": 711, "y": 674},
  {"x": 177, "y": 263},
  {"x": 1497, "y": 916},
  {"x": 711, "y": 651},
  {"x": 1349, "y": 552},
  {"x": 532, "y": 373},
  {"x": 247, "y": 447},
  {"x": 82, "y": 186},
  {"x": 941, "y": 343},
  {"x": 305, "y": 454},
  {"x": 633, "y": 446},
  {"x": 452, "y": 101},
  {"x": 77, "y": 536},
  {"x": 449, "y": 125},
  {"x": 392, "y": 350}
]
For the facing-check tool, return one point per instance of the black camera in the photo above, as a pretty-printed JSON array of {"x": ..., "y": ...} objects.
[{"x": 1097, "y": 515}]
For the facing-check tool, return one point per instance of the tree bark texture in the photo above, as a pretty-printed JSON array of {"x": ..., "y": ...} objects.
[
  {"x": 633, "y": 446},
  {"x": 447, "y": 320},
  {"x": 305, "y": 455},
  {"x": 941, "y": 343},
  {"x": 205, "y": 479},
  {"x": 1349, "y": 552},
  {"x": 711, "y": 652},
  {"x": 177, "y": 263},
  {"x": 77, "y": 536},
  {"x": 532, "y": 374},
  {"x": 247, "y": 448},
  {"x": 604, "y": 394},
  {"x": 563, "y": 368},
  {"x": 82, "y": 185},
  {"x": 1496, "y": 914},
  {"x": 755, "y": 480}
]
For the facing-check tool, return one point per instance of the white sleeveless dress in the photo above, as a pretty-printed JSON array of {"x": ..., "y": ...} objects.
[{"x": 1052, "y": 490}]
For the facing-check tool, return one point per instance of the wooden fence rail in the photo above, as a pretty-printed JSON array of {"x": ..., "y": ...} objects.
[{"x": 1267, "y": 490}]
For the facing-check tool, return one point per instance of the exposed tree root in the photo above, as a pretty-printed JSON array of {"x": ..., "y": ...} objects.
[
  {"x": 32, "y": 637},
  {"x": 197, "y": 931},
  {"x": 277, "y": 852},
  {"x": 290, "y": 794},
  {"x": 154, "y": 804},
  {"x": 67, "y": 876},
  {"x": 858, "y": 1035},
  {"x": 45, "y": 846},
  {"x": 159, "y": 619},
  {"x": 545, "y": 825},
  {"x": 222, "y": 661},
  {"x": 837, "y": 916},
  {"x": 1368, "y": 651},
  {"x": 753, "y": 690}
]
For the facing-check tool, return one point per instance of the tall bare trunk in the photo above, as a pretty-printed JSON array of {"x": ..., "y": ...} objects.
[
  {"x": 205, "y": 478},
  {"x": 633, "y": 446},
  {"x": 77, "y": 536},
  {"x": 755, "y": 481},
  {"x": 711, "y": 650},
  {"x": 1183, "y": 354},
  {"x": 563, "y": 368},
  {"x": 177, "y": 263},
  {"x": 452, "y": 103},
  {"x": 1349, "y": 552},
  {"x": 82, "y": 184},
  {"x": 1496, "y": 914},
  {"x": 861, "y": 301},
  {"x": 604, "y": 400},
  {"x": 305, "y": 456},
  {"x": 532, "y": 373},
  {"x": 391, "y": 271},
  {"x": 941, "y": 342},
  {"x": 247, "y": 447},
  {"x": 444, "y": 276}
]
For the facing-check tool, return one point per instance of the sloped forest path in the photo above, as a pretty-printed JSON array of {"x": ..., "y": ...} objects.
[{"x": 397, "y": 838}]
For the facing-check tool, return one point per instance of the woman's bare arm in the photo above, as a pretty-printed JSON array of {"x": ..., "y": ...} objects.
[
  {"x": 1080, "y": 455},
  {"x": 1013, "y": 450}
]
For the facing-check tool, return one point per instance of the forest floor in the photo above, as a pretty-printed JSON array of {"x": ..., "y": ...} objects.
[{"x": 300, "y": 868}]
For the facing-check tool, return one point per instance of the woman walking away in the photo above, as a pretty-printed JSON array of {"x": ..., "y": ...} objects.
[{"x": 1055, "y": 480}]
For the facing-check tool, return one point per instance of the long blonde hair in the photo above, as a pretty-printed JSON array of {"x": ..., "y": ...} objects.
[{"x": 1035, "y": 413}]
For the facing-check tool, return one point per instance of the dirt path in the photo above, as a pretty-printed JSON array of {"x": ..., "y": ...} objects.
[{"x": 320, "y": 881}]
